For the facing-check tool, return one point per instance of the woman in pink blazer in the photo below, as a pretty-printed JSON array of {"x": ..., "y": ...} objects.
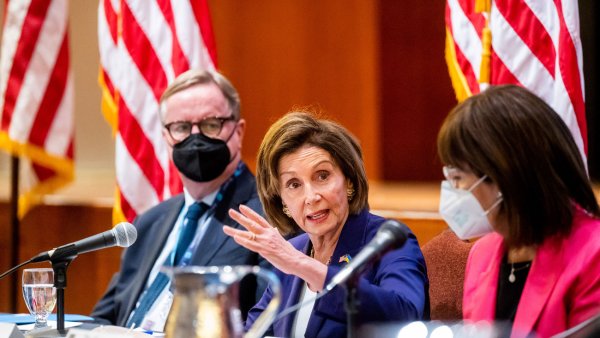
[{"x": 515, "y": 176}]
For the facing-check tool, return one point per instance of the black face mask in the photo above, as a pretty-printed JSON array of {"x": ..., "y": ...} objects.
[{"x": 201, "y": 158}]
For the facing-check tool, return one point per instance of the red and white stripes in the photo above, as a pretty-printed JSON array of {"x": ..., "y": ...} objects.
[
  {"x": 144, "y": 45},
  {"x": 535, "y": 44},
  {"x": 36, "y": 95}
]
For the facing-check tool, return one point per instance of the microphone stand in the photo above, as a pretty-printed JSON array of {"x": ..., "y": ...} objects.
[
  {"x": 60, "y": 283},
  {"x": 351, "y": 305}
]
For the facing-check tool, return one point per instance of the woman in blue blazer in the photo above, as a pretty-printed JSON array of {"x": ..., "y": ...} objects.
[{"x": 311, "y": 177}]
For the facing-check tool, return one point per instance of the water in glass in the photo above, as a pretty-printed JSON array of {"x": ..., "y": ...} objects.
[{"x": 39, "y": 294}]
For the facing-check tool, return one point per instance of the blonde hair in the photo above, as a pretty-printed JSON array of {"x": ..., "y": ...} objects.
[{"x": 194, "y": 77}]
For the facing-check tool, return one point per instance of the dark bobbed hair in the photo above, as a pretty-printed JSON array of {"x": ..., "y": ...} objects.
[
  {"x": 293, "y": 131},
  {"x": 198, "y": 76},
  {"x": 521, "y": 144}
]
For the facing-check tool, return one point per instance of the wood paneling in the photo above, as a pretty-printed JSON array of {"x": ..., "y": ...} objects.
[
  {"x": 425, "y": 226},
  {"x": 375, "y": 66},
  {"x": 5, "y": 256},
  {"x": 49, "y": 226},
  {"x": 281, "y": 54}
]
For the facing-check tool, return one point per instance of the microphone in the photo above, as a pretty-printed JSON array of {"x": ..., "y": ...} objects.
[
  {"x": 391, "y": 234},
  {"x": 123, "y": 234}
]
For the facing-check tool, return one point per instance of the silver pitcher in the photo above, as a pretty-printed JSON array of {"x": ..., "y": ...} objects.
[{"x": 205, "y": 302}]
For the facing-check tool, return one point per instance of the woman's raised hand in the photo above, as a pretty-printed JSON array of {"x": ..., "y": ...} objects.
[{"x": 264, "y": 239}]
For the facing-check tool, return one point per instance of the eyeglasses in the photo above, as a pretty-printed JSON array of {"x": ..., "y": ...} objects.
[
  {"x": 454, "y": 175},
  {"x": 448, "y": 172},
  {"x": 211, "y": 127}
]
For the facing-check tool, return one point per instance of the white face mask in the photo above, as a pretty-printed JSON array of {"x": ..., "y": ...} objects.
[{"x": 463, "y": 213}]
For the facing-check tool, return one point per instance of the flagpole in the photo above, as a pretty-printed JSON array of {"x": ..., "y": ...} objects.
[
  {"x": 15, "y": 231},
  {"x": 485, "y": 7}
]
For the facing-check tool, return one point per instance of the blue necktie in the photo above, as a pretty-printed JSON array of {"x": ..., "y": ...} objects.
[
  {"x": 186, "y": 234},
  {"x": 188, "y": 230}
]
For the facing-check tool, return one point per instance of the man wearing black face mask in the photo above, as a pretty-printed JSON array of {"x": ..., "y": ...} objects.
[{"x": 200, "y": 112}]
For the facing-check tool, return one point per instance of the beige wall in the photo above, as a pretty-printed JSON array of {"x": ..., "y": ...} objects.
[{"x": 95, "y": 149}]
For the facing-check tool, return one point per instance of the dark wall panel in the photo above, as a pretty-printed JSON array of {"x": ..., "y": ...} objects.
[
  {"x": 416, "y": 92},
  {"x": 590, "y": 26}
]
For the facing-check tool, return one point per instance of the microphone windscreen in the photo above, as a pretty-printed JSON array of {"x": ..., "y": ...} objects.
[
  {"x": 125, "y": 234},
  {"x": 398, "y": 230}
]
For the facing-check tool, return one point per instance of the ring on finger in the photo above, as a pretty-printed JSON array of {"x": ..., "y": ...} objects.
[{"x": 252, "y": 236}]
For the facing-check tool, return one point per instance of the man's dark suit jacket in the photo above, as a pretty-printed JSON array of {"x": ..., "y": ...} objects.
[{"x": 215, "y": 248}]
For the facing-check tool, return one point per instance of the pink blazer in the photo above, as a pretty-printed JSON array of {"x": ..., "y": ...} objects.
[{"x": 562, "y": 288}]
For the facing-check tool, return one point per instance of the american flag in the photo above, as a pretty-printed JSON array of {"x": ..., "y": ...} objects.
[
  {"x": 36, "y": 96},
  {"x": 144, "y": 45},
  {"x": 532, "y": 43}
]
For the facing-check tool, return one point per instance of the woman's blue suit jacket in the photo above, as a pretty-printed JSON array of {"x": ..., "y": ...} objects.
[{"x": 394, "y": 289}]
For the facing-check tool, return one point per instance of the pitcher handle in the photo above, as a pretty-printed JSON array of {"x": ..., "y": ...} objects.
[{"x": 262, "y": 323}]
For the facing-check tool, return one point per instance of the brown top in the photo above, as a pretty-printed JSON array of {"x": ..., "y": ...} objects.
[{"x": 446, "y": 258}]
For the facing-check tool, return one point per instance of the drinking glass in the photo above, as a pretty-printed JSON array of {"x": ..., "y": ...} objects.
[{"x": 39, "y": 294}]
